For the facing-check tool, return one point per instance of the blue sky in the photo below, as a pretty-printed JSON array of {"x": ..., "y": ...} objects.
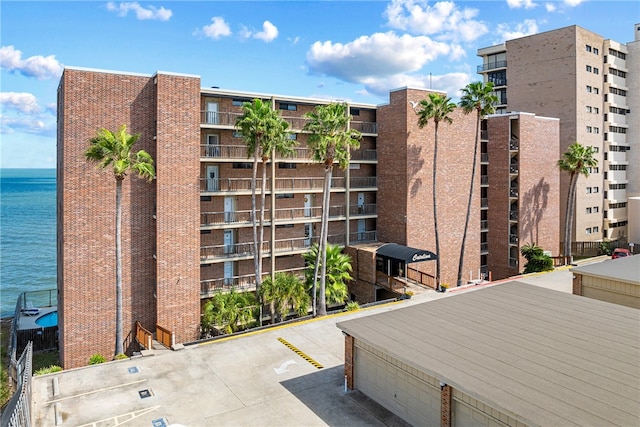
[{"x": 355, "y": 50}]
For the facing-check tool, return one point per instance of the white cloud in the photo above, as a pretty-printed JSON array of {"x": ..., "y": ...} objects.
[
  {"x": 269, "y": 32},
  {"x": 449, "y": 83},
  {"x": 516, "y": 4},
  {"x": 217, "y": 29},
  {"x": 444, "y": 19},
  {"x": 573, "y": 3},
  {"x": 375, "y": 56},
  {"x": 525, "y": 28},
  {"x": 142, "y": 13},
  {"x": 550, "y": 7},
  {"x": 40, "y": 67},
  {"x": 21, "y": 102}
]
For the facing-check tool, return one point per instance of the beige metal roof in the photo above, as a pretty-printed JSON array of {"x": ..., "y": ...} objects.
[
  {"x": 625, "y": 269},
  {"x": 550, "y": 357}
]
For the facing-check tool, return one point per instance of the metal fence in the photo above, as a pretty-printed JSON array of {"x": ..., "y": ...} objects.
[{"x": 17, "y": 412}]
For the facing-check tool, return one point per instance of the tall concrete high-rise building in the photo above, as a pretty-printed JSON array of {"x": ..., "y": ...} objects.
[{"x": 587, "y": 82}]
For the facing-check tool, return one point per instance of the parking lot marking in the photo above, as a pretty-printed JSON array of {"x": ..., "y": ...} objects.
[
  {"x": 300, "y": 353},
  {"x": 94, "y": 391}
]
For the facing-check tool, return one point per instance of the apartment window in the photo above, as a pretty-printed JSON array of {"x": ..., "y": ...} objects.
[
  {"x": 237, "y": 134},
  {"x": 588, "y": 210},
  {"x": 242, "y": 165},
  {"x": 284, "y": 226},
  {"x": 589, "y": 129},
  {"x": 618, "y": 205},
  {"x": 589, "y": 109},
  {"x": 589, "y": 68},
  {"x": 239, "y": 102},
  {"x": 596, "y": 51},
  {"x": 618, "y": 224},
  {"x": 596, "y": 229},
  {"x": 617, "y": 167},
  {"x": 588, "y": 190},
  {"x": 596, "y": 189},
  {"x": 616, "y": 110},
  {"x": 618, "y": 148},
  {"x": 287, "y": 106},
  {"x": 617, "y": 186},
  {"x": 498, "y": 78},
  {"x": 589, "y": 89},
  {"x": 292, "y": 136},
  {"x": 596, "y": 170},
  {"x": 596, "y": 110},
  {"x": 588, "y": 230},
  {"x": 596, "y": 209},
  {"x": 617, "y": 54},
  {"x": 205, "y": 198},
  {"x": 596, "y": 70},
  {"x": 616, "y": 91},
  {"x": 283, "y": 165},
  {"x": 596, "y": 130},
  {"x": 596, "y": 149},
  {"x": 284, "y": 196},
  {"x": 205, "y": 231},
  {"x": 618, "y": 73},
  {"x": 588, "y": 48},
  {"x": 354, "y": 111},
  {"x": 617, "y": 129},
  {"x": 596, "y": 90}
]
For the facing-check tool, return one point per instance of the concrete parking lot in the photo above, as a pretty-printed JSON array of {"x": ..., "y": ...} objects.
[{"x": 288, "y": 375}]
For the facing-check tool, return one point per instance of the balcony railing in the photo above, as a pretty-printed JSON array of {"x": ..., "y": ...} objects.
[
  {"x": 228, "y": 119},
  {"x": 513, "y": 192},
  {"x": 484, "y": 158},
  {"x": 239, "y": 153},
  {"x": 514, "y": 143},
  {"x": 513, "y": 239},
  {"x": 492, "y": 66},
  {"x": 244, "y": 283},
  {"x": 364, "y": 155},
  {"x": 363, "y": 237},
  {"x": 484, "y": 224},
  {"x": 484, "y": 180},
  {"x": 513, "y": 168},
  {"x": 513, "y": 215},
  {"x": 245, "y": 250},
  {"x": 484, "y": 248},
  {"x": 513, "y": 262},
  {"x": 244, "y": 184},
  {"x": 484, "y": 135},
  {"x": 484, "y": 202}
]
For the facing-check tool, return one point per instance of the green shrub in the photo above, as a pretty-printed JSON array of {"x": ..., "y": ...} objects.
[
  {"x": 352, "y": 306},
  {"x": 121, "y": 356},
  {"x": 96, "y": 359},
  {"x": 605, "y": 248},
  {"x": 48, "y": 370},
  {"x": 539, "y": 263}
]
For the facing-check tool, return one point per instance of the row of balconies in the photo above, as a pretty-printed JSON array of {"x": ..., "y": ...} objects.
[
  {"x": 492, "y": 66},
  {"x": 284, "y": 215},
  {"x": 239, "y": 283},
  {"x": 240, "y": 185},
  {"x": 238, "y": 153},
  {"x": 227, "y": 119},
  {"x": 291, "y": 246}
]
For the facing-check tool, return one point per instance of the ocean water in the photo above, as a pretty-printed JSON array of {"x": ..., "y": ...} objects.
[{"x": 27, "y": 233}]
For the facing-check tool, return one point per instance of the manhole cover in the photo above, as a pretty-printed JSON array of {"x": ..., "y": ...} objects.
[
  {"x": 160, "y": 422},
  {"x": 144, "y": 393},
  {"x": 133, "y": 370}
]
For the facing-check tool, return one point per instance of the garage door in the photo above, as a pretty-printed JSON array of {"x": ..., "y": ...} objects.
[{"x": 396, "y": 386}]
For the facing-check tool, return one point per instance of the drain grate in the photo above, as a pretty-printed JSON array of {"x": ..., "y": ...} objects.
[
  {"x": 160, "y": 422},
  {"x": 300, "y": 353},
  {"x": 145, "y": 393},
  {"x": 133, "y": 370}
]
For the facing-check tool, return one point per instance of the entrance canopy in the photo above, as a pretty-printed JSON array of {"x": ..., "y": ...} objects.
[{"x": 405, "y": 254}]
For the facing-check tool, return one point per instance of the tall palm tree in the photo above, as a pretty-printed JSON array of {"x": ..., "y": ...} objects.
[
  {"x": 285, "y": 292},
  {"x": 115, "y": 150},
  {"x": 481, "y": 98},
  {"x": 338, "y": 272},
  {"x": 437, "y": 108},
  {"x": 331, "y": 140},
  {"x": 230, "y": 311},
  {"x": 577, "y": 160},
  {"x": 264, "y": 131}
]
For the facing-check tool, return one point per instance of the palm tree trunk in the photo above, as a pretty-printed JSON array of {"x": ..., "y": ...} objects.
[
  {"x": 322, "y": 304},
  {"x": 256, "y": 246},
  {"x": 568, "y": 224},
  {"x": 119, "y": 341},
  {"x": 261, "y": 234},
  {"x": 435, "y": 209},
  {"x": 466, "y": 222}
]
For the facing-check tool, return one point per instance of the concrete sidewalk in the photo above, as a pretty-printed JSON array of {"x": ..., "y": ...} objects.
[{"x": 286, "y": 375}]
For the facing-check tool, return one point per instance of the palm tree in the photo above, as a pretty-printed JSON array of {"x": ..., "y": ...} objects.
[
  {"x": 285, "y": 292},
  {"x": 331, "y": 140},
  {"x": 230, "y": 311},
  {"x": 338, "y": 272},
  {"x": 264, "y": 131},
  {"x": 481, "y": 98},
  {"x": 109, "y": 149},
  {"x": 577, "y": 160},
  {"x": 437, "y": 108}
]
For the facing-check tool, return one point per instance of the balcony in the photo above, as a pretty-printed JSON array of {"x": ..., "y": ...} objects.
[
  {"x": 363, "y": 237},
  {"x": 492, "y": 66},
  {"x": 484, "y": 248},
  {"x": 238, "y": 153},
  {"x": 513, "y": 239},
  {"x": 484, "y": 202},
  {"x": 243, "y": 185},
  {"x": 227, "y": 119},
  {"x": 484, "y": 225},
  {"x": 513, "y": 262},
  {"x": 484, "y": 180},
  {"x": 513, "y": 215},
  {"x": 484, "y": 158},
  {"x": 210, "y": 287},
  {"x": 284, "y": 215},
  {"x": 513, "y": 168},
  {"x": 513, "y": 193},
  {"x": 484, "y": 135},
  {"x": 244, "y": 251},
  {"x": 514, "y": 143}
]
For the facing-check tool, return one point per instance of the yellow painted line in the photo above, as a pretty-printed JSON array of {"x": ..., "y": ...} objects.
[
  {"x": 300, "y": 353},
  {"x": 95, "y": 391},
  {"x": 130, "y": 416}
]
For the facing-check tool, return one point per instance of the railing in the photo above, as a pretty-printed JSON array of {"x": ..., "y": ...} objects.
[
  {"x": 484, "y": 247},
  {"x": 238, "y": 283},
  {"x": 296, "y": 123},
  {"x": 513, "y": 239},
  {"x": 513, "y": 262},
  {"x": 364, "y": 182},
  {"x": 513, "y": 169},
  {"x": 484, "y": 224},
  {"x": 364, "y": 155},
  {"x": 17, "y": 411},
  {"x": 513, "y": 215},
  {"x": 492, "y": 65},
  {"x": 244, "y": 184},
  {"x": 363, "y": 236},
  {"x": 591, "y": 249},
  {"x": 484, "y": 180},
  {"x": 484, "y": 157},
  {"x": 514, "y": 143},
  {"x": 366, "y": 209},
  {"x": 164, "y": 336},
  {"x": 513, "y": 192},
  {"x": 484, "y": 202},
  {"x": 420, "y": 277},
  {"x": 144, "y": 337},
  {"x": 559, "y": 261}
]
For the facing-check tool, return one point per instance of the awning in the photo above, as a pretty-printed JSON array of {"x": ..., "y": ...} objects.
[{"x": 404, "y": 253}]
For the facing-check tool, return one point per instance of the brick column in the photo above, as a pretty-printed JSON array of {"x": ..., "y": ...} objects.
[
  {"x": 348, "y": 360},
  {"x": 445, "y": 406},
  {"x": 577, "y": 284}
]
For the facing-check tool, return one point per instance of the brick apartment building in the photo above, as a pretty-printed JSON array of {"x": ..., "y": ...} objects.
[
  {"x": 591, "y": 84},
  {"x": 188, "y": 235}
]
